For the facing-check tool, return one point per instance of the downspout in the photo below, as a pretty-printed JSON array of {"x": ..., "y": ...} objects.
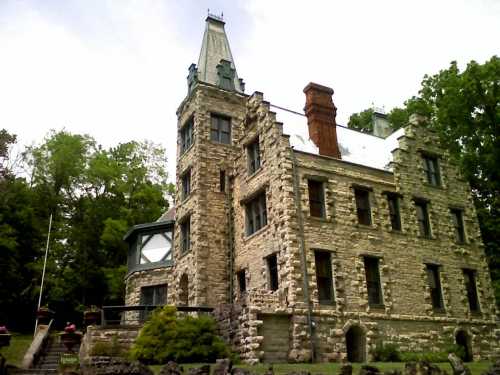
[
  {"x": 230, "y": 216},
  {"x": 302, "y": 248}
]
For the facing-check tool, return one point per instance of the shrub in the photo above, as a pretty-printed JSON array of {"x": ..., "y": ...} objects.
[
  {"x": 166, "y": 337},
  {"x": 386, "y": 353},
  {"x": 107, "y": 349}
]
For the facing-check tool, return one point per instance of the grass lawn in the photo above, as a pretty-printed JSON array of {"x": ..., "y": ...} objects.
[
  {"x": 477, "y": 368},
  {"x": 14, "y": 353}
]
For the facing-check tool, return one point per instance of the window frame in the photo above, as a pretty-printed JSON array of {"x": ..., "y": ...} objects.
[
  {"x": 470, "y": 277},
  {"x": 145, "y": 314},
  {"x": 394, "y": 211},
  {"x": 424, "y": 222},
  {"x": 364, "y": 214},
  {"x": 253, "y": 156},
  {"x": 317, "y": 202},
  {"x": 457, "y": 219},
  {"x": 187, "y": 135},
  {"x": 255, "y": 213},
  {"x": 431, "y": 169},
  {"x": 185, "y": 231},
  {"x": 436, "y": 291},
  {"x": 326, "y": 280},
  {"x": 373, "y": 281},
  {"x": 216, "y": 131},
  {"x": 272, "y": 272}
]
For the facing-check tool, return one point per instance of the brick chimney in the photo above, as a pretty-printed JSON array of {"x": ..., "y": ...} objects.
[{"x": 321, "y": 112}]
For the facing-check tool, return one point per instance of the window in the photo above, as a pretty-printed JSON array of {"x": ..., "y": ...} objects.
[
  {"x": 220, "y": 130},
  {"x": 222, "y": 181},
  {"x": 253, "y": 156},
  {"x": 242, "y": 281},
  {"x": 431, "y": 169},
  {"x": 316, "y": 198},
  {"x": 324, "y": 278},
  {"x": 373, "y": 281},
  {"x": 424, "y": 226},
  {"x": 155, "y": 247},
  {"x": 152, "y": 296},
  {"x": 272, "y": 269},
  {"x": 256, "y": 215},
  {"x": 363, "y": 206},
  {"x": 435, "y": 286},
  {"x": 187, "y": 135},
  {"x": 186, "y": 235},
  {"x": 458, "y": 224},
  {"x": 470, "y": 286},
  {"x": 394, "y": 213},
  {"x": 186, "y": 184}
]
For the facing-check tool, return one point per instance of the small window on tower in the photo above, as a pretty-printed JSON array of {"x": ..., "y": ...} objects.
[
  {"x": 186, "y": 235},
  {"x": 256, "y": 214},
  {"x": 220, "y": 130},
  {"x": 187, "y": 135},
  {"x": 272, "y": 269},
  {"x": 373, "y": 281},
  {"x": 186, "y": 184},
  {"x": 470, "y": 286}
]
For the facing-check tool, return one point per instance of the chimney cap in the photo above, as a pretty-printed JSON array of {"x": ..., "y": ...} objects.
[{"x": 318, "y": 87}]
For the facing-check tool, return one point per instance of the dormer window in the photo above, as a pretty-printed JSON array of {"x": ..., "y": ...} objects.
[
  {"x": 187, "y": 135},
  {"x": 431, "y": 168},
  {"x": 220, "y": 129},
  {"x": 253, "y": 156}
]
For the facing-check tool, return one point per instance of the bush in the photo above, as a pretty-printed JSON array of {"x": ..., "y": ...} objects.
[
  {"x": 166, "y": 337},
  {"x": 386, "y": 353},
  {"x": 107, "y": 349}
]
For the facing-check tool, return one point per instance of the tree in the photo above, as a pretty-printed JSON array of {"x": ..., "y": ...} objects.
[
  {"x": 362, "y": 121},
  {"x": 464, "y": 109},
  {"x": 95, "y": 195}
]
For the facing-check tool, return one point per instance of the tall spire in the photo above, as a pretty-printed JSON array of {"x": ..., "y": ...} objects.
[{"x": 216, "y": 64}]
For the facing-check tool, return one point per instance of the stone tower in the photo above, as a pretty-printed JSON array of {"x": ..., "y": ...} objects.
[{"x": 209, "y": 121}]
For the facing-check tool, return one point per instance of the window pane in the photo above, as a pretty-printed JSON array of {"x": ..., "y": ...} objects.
[
  {"x": 316, "y": 198},
  {"x": 324, "y": 277},
  {"x": 363, "y": 206}
]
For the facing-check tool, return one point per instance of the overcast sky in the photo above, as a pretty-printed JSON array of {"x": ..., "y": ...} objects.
[{"x": 116, "y": 69}]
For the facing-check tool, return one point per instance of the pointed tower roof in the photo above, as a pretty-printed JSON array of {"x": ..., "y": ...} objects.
[{"x": 216, "y": 64}]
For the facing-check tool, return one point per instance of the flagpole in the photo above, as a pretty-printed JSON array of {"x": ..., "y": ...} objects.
[{"x": 43, "y": 272}]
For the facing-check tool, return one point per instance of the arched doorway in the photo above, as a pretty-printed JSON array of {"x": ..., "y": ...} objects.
[
  {"x": 184, "y": 290},
  {"x": 462, "y": 340},
  {"x": 355, "y": 344}
]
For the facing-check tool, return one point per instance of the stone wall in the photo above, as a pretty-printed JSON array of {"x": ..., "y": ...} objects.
[{"x": 125, "y": 337}]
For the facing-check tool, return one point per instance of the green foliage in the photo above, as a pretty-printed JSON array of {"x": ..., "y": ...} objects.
[
  {"x": 108, "y": 349},
  {"x": 386, "y": 353},
  {"x": 95, "y": 195},
  {"x": 362, "y": 121},
  {"x": 185, "y": 340}
]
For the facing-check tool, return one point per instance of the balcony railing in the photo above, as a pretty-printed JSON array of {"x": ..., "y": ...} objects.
[{"x": 138, "y": 314}]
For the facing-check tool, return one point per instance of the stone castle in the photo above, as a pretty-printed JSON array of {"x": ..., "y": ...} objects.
[{"x": 312, "y": 241}]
